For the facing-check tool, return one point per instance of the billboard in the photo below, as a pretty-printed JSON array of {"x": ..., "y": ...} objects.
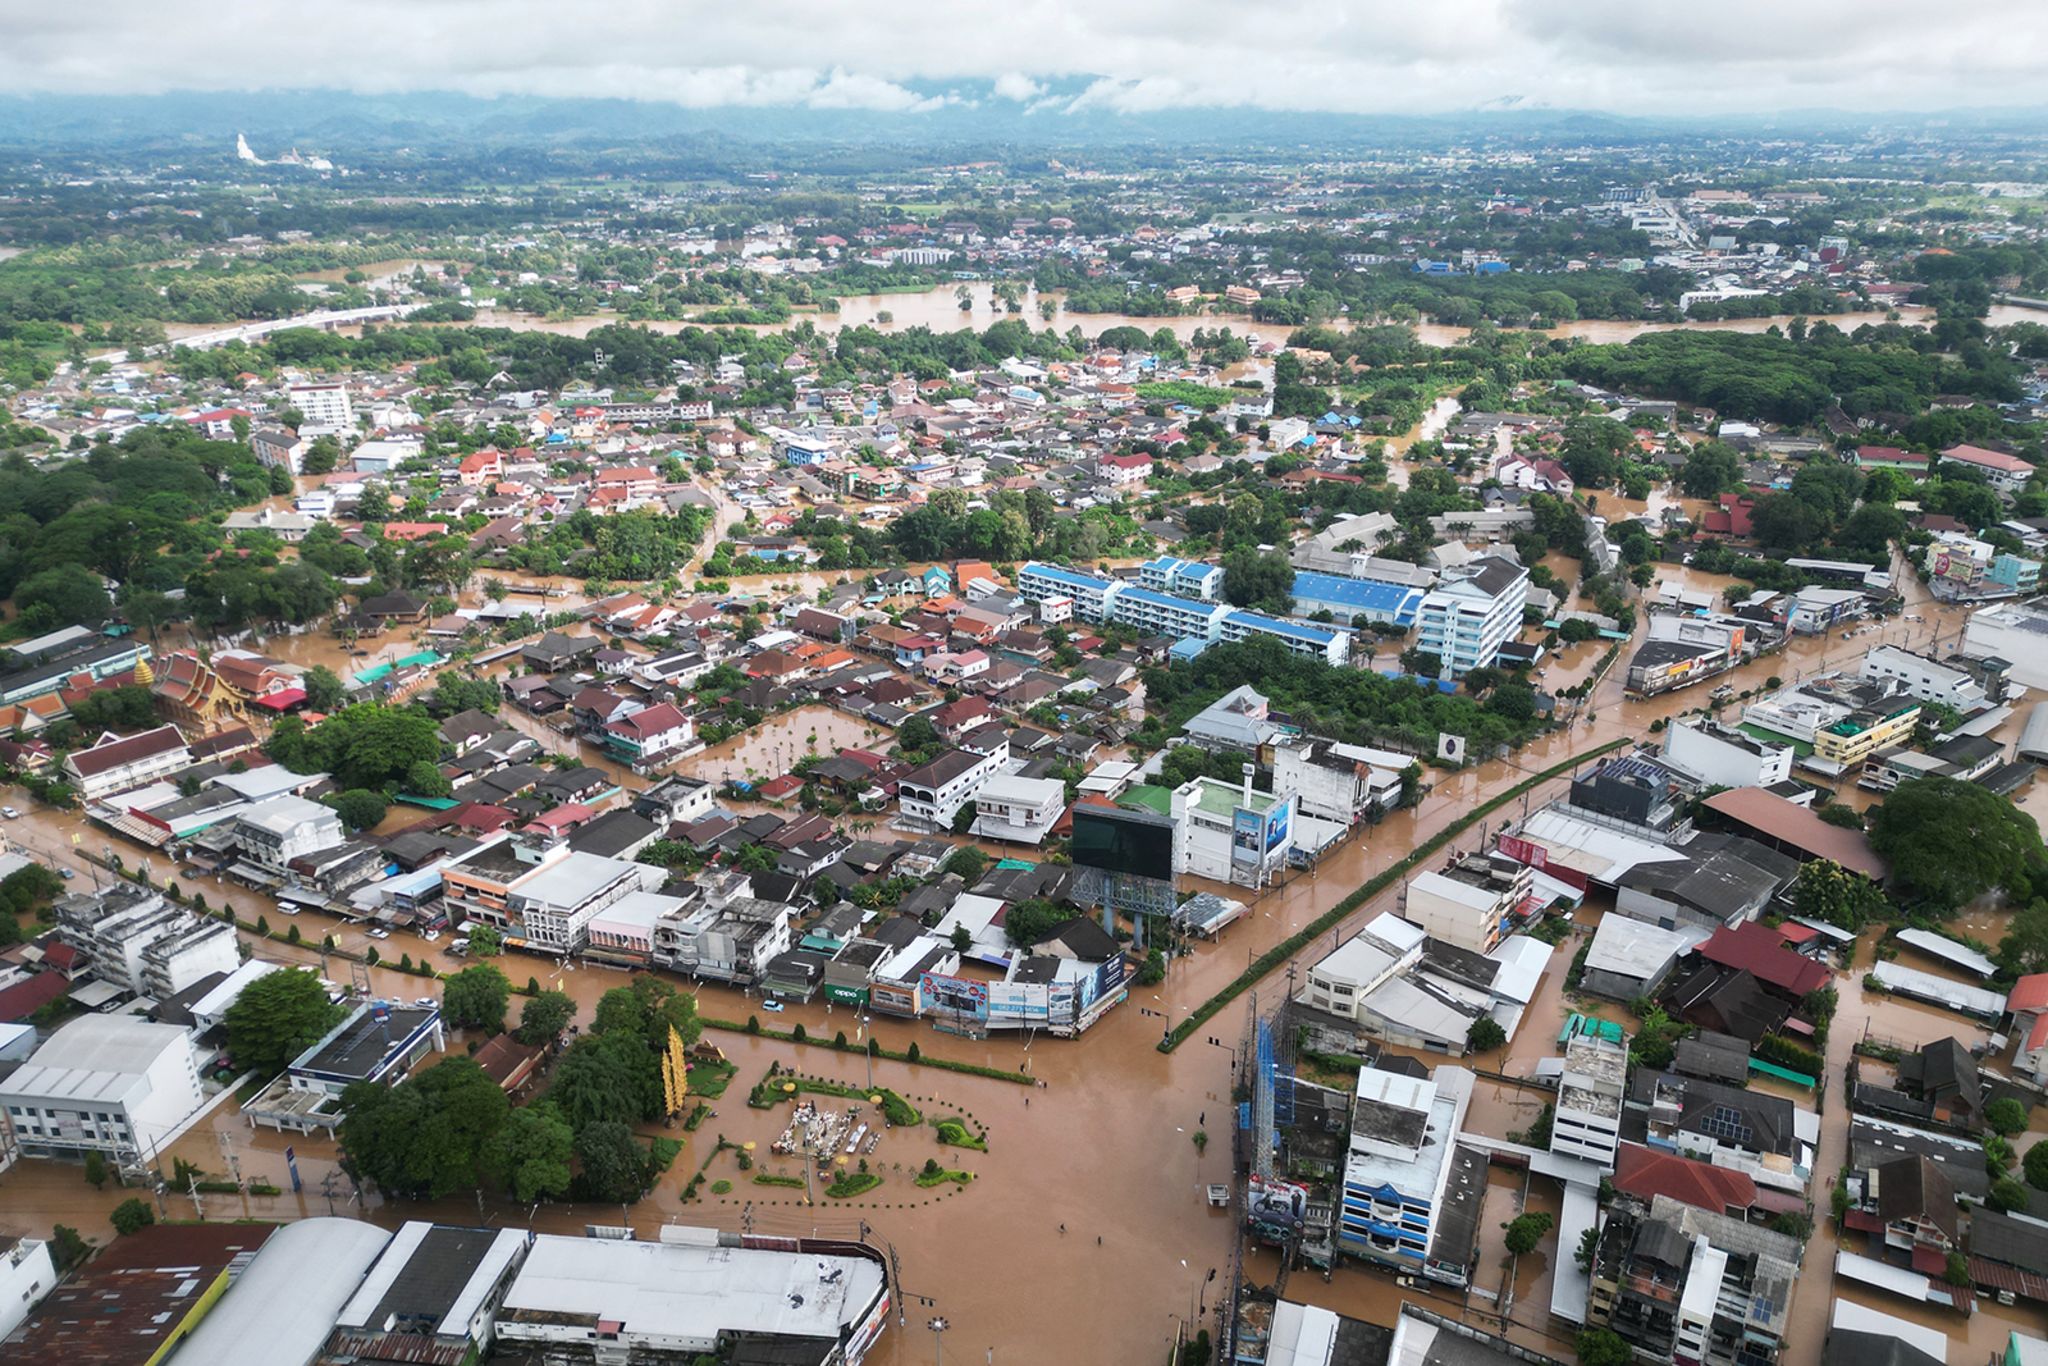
[
  {"x": 1120, "y": 840},
  {"x": 1261, "y": 837}
]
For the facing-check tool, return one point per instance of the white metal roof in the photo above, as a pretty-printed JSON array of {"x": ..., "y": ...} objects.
[
  {"x": 693, "y": 1293},
  {"x": 99, "y": 1057},
  {"x": 280, "y": 1311}
]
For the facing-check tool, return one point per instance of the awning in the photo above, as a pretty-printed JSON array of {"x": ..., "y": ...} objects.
[{"x": 282, "y": 700}]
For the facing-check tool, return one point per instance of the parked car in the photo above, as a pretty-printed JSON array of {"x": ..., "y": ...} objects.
[
  {"x": 379, "y": 934},
  {"x": 773, "y": 1007},
  {"x": 67, "y": 873},
  {"x": 10, "y": 813},
  {"x": 431, "y": 936},
  {"x": 425, "y": 1001}
]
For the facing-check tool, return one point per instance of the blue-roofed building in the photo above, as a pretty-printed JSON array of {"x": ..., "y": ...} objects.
[
  {"x": 1163, "y": 614},
  {"x": 1182, "y": 578},
  {"x": 1090, "y": 593},
  {"x": 1334, "y": 646},
  {"x": 1185, "y": 651},
  {"x": 1355, "y": 600}
]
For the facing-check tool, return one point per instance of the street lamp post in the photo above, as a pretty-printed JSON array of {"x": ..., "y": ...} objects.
[{"x": 938, "y": 1325}]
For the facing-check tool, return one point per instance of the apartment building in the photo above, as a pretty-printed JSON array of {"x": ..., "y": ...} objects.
[
  {"x": 134, "y": 939},
  {"x": 1018, "y": 810},
  {"x": 272, "y": 833},
  {"x": 1089, "y": 594},
  {"x": 1401, "y": 1157},
  {"x": 1587, "y": 1120},
  {"x": 1845, "y": 720},
  {"x": 1926, "y": 678},
  {"x": 1182, "y": 578},
  {"x": 1473, "y": 610},
  {"x": 324, "y": 408},
  {"x": 933, "y": 793},
  {"x": 550, "y": 909},
  {"x": 1157, "y": 613},
  {"x": 1471, "y": 904},
  {"x": 1333, "y": 647},
  {"x": 1680, "y": 1283}
]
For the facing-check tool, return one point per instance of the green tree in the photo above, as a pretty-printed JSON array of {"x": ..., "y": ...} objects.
[
  {"x": 359, "y": 808},
  {"x": 1824, "y": 890},
  {"x": 277, "y": 1017},
  {"x": 2006, "y": 1116},
  {"x": 1711, "y": 468},
  {"x": 606, "y": 1077},
  {"x": 427, "y": 780},
  {"x": 543, "y": 1018},
  {"x": 132, "y": 1216},
  {"x": 1525, "y": 1231},
  {"x": 424, "y": 1138},
  {"x": 2036, "y": 1165},
  {"x": 63, "y": 595},
  {"x": 96, "y": 1169},
  {"x": 614, "y": 1165},
  {"x": 476, "y": 997},
  {"x": 1485, "y": 1035},
  {"x": 1604, "y": 1347},
  {"x": 324, "y": 689},
  {"x": 529, "y": 1156},
  {"x": 968, "y": 863},
  {"x": 2024, "y": 948},
  {"x": 1949, "y": 841},
  {"x": 486, "y": 942},
  {"x": 1264, "y": 582},
  {"x": 2006, "y": 1195},
  {"x": 67, "y": 1248}
]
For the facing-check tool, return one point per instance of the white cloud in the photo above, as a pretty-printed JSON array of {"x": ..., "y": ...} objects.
[
  {"x": 1015, "y": 85},
  {"x": 1632, "y": 56}
]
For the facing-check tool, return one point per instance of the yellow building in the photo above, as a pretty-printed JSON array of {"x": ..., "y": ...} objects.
[{"x": 1861, "y": 734}]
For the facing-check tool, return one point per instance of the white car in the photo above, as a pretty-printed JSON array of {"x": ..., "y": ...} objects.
[
  {"x": 426, "y": 1001},
  {"x": 772, "y": 1007},
  {"x": 10, "y": 813},
  {"x": 431, "y": 936},
  {"x": 378, "y": 934}
]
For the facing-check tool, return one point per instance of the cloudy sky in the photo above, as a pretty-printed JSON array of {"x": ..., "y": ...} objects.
[{"x": 1052, "y": 56}]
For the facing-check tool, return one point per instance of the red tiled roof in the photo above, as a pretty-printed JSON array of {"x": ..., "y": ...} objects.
[
  {"x": 1757, "y": 949},
  {"x": 2029, "y": 993},
  {"x": 24, "y": 999},
  {"x": 1990, "y": 460},
  {"x": 1646, "y": 1173}
]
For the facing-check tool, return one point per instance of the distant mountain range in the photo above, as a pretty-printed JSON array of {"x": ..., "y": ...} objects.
[{"x": 335, "y": 123}]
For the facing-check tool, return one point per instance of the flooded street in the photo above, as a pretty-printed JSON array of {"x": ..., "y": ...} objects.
[{"x": 1120, "y": 1115}]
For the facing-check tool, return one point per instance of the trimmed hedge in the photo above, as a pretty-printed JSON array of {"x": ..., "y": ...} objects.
[{"x": 1277, "y": 955}]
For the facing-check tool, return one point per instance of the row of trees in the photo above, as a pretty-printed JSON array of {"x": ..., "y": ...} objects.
[{"x": 450, "y": 1128}]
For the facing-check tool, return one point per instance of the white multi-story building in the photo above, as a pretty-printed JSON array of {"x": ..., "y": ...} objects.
[
  {"x": 1471, "y": 905},
  {"x": 1401, "y": 1159},
  {"x": 325, "y": 408},
  {"x": 933, "y": 793},
  {"x": 127, "y": 763},
  {"x": 112, "y": 1084},
  {"x": 1156, "y": 613},
  {"x": 1338, "y": 782},
  {"x": 272, "y": 833},
  {"x": 1182, "y": 578},
  {"x": 1229, "y": 833},
  {"x": 1587, "y": 1120},
  {"x": 1333, "y": 647},
  {"x": 1926, "y": 678},
  {"x": 1471, "y": 613},
  {"x": 1018, "y": 810},
  {"x": 1090, "y": 594},
  {"x": 1721, "y": 756},
  {"x": 134, "y": 939},
  {"x": 553, "y": 907},
  {"x": 27, "y": 1272},
  {"x": 2013, "y": 631}
]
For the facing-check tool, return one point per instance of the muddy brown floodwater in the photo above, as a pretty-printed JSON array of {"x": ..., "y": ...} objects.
[{"x": 1106, "y": 1148}]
